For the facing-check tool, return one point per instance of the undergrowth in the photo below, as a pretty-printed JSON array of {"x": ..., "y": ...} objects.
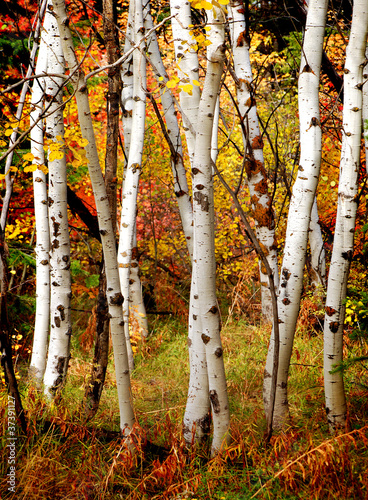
[{"x": 64, "y": 457}]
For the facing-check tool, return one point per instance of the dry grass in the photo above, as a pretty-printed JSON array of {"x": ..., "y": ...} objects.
[{"x": 63, "y": 457}]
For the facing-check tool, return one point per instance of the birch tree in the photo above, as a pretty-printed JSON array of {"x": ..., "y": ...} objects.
[
  {"x": 256, "y": 174},
  {"x": 133, "y": 169},
  {"x": 114, "y": 296},
  {"x": 42, "y": 319},
  {"x": 346, "y": 215},
  {"x": 207, "y": 352},
  {"x": 291, "y": 278},
  {"x": 60, "y": 279}
]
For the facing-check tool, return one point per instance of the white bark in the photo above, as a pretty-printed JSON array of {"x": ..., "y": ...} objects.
[
  {"x": 300, "y": 206},
  {"x": 137, "y": 310},
  {"x": 318, "y": 254},
  {"x": 131, "y": 181},
  {"x": 42, "y": 319},
  {"x": 256, "y": 173},
  {"x": 346, "y": 214},
  {"x": 187, "y": 59},
  {"x": 365, "y": 109},
  {"x": 61, "y": 330},
  {"x": 181, "y": 188},
  {"x": 114, "y": 296},
  {"x": 204, "y": 268}
]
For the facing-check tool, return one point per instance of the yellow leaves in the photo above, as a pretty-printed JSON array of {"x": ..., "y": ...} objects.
[
  {"x": 172, "y": 83},
  {"x": 56, "y": 155},
  {"x": 187, "y": 87},
  {"x": 201, "y": 4}
]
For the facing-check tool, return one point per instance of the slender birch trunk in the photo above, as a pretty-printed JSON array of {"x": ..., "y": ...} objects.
[
  {"x": 318, "y": 254},
  {"x": 42, "y": 249},
  {"x": 181, "y": 188},
  {"x": 60, "y": 292},
  {"x": 137, "y": 310},
  {"x": 206, "y": 336},
  {"x": 300, "y": 207},
  {"x": 346, "y": 214},
  {"x": 256, "y": 173},
  {"x": 132, "y": 175},
  {"x": 365, "y": 109},
  {"x": 114, "y": 295},
  {"x": 187, "y": 60}
]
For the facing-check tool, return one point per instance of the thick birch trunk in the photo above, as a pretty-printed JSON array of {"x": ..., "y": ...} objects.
[
  {"x": 61, "y": 329},
  {"x": 300, "y": 207},
  {"x": 187, "y": 59},
  {"x": 256, "y": 173},
  {"x": 114, "y": 296},
  {"x": 131, "y": 181},
  {"x": 204, "y": 264},
  {"x": 346, "y": 214},
  {"x": 42, "y": 249}
]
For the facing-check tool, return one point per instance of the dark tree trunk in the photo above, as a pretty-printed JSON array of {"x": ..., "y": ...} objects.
[
  {"x": 5, "y": 343},
  {"x": 99, "y": 367}
]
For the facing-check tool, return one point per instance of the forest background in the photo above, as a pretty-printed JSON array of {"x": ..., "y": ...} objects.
[{"x": 84, "y": 459}]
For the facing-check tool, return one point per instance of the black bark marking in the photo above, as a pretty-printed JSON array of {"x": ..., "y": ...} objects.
[
  {"x": 195, "y": 171},
  {"x": 61, "y": 309},
  {"x": 117, "y": 299},
  {"x": 57, "y": 322},
  {"x": 334, "y": 326},
  {"x": 347, "y": 255},
  {"x": 286, "y": 301},
  {"x": 330, "y": 311},
  {"x": 180, "y": 193},
  {"x": 213, "y": 310},
  {"x": 103, "y": 232},
  {"x": 199, "y": 187},
  {"x": 215, "y": 401},
  {"x": 218, "y": 352},
  {"x": 205, "y": 338},
  {"x": 202, "y": 199},
  {"x": 195, "y": 317}
]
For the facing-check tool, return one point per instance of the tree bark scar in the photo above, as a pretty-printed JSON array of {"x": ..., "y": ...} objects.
[
  {"x": 205, "y": 338},
  {"x": 62, "y": 312},
  {"x": 202, "y": 199},
  {"x": 215, "y": 401},
  {"x": 330, "y": 311},
  {"x": 334, "y": 326},
  {"x": 117, "y": 299}
]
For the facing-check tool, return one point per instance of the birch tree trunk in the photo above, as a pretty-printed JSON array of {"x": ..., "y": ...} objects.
[
  {"x": 187, "y": 59},
  {"x": 114, "y": 296},
  {"x": 206, "y": 334},
  {"x": 300, "y": 207},
  {"x": 181, "y": 188},
  {"x": 318, "y": 254},
  {"x": 42, "y": 249},
  {"x": 346, "y": 214},
  {"x": 253, "y": 144},
  {"x": 365, "y": 109},
  {"x": 61, "y": 329},
  {"x": 137, "y": 310},
  {"x": 132, "y": 175}
]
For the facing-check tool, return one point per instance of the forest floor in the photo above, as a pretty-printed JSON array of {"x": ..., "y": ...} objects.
[{"x": 63, "y": 457}]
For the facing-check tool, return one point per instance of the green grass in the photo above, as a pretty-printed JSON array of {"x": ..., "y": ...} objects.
[{"x": 65, "y": 457}]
